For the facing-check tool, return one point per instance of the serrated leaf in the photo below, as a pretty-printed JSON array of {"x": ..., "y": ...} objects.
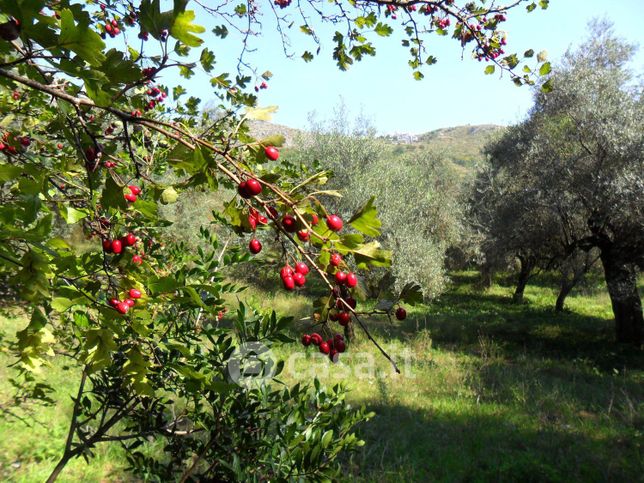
[
  {"x": 383, "y": 29},
  {"x": 411, "y": 294},
  {"x": 370, "y": 254},
  {"x": 80, "y": 39},
  {"x": 545, "y": 69},
  {"x": 365, "y": 220},
  {"x": 182, "y": 29}
]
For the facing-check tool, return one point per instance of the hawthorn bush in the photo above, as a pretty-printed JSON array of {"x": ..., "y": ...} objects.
[{"x": 92, "y": 137}]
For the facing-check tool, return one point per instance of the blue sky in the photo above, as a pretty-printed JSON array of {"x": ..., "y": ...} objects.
[{"x": 453, "y": 92}]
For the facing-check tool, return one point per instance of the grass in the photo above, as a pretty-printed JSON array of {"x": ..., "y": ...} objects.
[{"x": 489, "y": 391}]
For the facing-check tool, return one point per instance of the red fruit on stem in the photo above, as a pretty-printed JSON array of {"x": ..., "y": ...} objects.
[
  {"x": 289, "y": 223},
  {"x": 25, "y": 141},
  {"x": 344, "y": 318},
  {"x": 137, "y": 260},
  {"x": 336, "y": 259},
  {"x": 334, "y": 222},
  {"x": 130, "y": 239},
  {"x": 333, "y": 316},
  {"x": 114, "y": 302},
  {"x": 134, "y": 293},
  {"x": 338, "y": 337},
  {"x": 299, "y": 279},
  {"x": 286, "y": 271},
  {"x": 272, "y": 212},
  {"x": 117, "y": 246},
  {"x": 306, "y": 340},
  {"x": 401, "y": 314},
  {"x": 340, "y": 277},
  {"x": 130, "y": 302},
  {"x": 352, "y": 302},
  {"x": 123, "y": 307},
  {"x": 289, "y": 283},
  {"x": 314, "y": 219},
  {"x": 59, "y": 145},
  {"x": 301, "y": 267},
  {"x": 324, "y": 348},
  {"x": 352, "y": 280},
  {"x": 131, "y": 197},
  {"x": 303, "y": 235},
  {"x": 243, "y": 190},
  {"x": 107, "y": 245},
  {"x": 339, "y": 345},
  {"x": 316, "y": 339},
  {"x": 255, "y": 246},
  {"x": 253, "y": 187},
  {"x": 271, "y": 153},
  {"x": 135, "y": 190}
]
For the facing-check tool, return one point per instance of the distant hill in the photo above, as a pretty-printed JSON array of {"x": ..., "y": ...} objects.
[{"x": 460, "y": 144}]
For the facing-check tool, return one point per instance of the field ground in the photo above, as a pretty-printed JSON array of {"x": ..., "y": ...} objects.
[{"x": 489, "y": 391}]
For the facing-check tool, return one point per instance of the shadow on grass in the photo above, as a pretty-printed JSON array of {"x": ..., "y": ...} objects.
[{"x": 485, "y": 445}]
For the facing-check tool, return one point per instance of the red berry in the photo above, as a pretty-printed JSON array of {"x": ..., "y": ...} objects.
[
  {"x": 324, "y": 348},
  {"x": 253, "y": 187},
  {"x": 344, "y": 318},
  {"x": 333, "y": 316},
  {"x": 286, "y": 271},
  {"x": 303, "y": 235},
  {"x": 306, "y": 340},
  {"x": 130, "y": 239},
  {"x": 401, "y": 314},
  {"x": 117, "y": 246},
  {"x": 289, "y": 283},
  {"x": 271, "y": 153},
  {"x": 316, "y": 339},
  {"x": 114, "y": 302},
  {"x": 352, "y": 302},
  {"x": 130, "y": 302},
  {"x": 123, "y": 307},
  {"x": 134, "y": 293},
  {"x": 59, "y": 145},
  {"x": 336, "y": 259},
  {"x": 352, "y": 280},
  {"x": 90, "y": 153},
  {"x": 334, "y": 222},
  {"x": 243, "y": 190},
  {"x": 137, "y": 260},
  {"x": 299, "y": 279},
  {"x": 339, "y": 345},
  {"x": 301, "y": 267},
  {"x": 107, "y": 245},
  {"x": 131, "y": 197},
  {"x": 255, "y": 246},
  {"x": 333, "y": 355},
  {"x": 314, "y": 219},
  {"x": 340, "y": 278},
  {"x": 135, "y": 190},
  {"x": 289, "y": 223},
  {"x": 272, "y": 212}
]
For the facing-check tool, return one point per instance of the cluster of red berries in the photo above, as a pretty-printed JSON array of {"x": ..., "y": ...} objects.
[
  {"x": 294, "y": 277},
  {"x": 148, "y": 72},
  {"x": 10, "y": 144},
  {"x": 489, "y": 52},
  {"x": 157, "y": 95},
  {"x": 331, "y": 347},
  {"x": 123, "y": 306},
  {"x": 442, "y": 23},
  {"x": 111, "y": 28},
  {"x": 116, "y": 246},
  {"x": 134, "y": 192},
  {"x": 391, "y": 9},
  {"x": 255, "y": 217},
  {"x": 143, "y": 35},
  {"x": 263, "y": 85},
  {"x": 282, "y": 3}
]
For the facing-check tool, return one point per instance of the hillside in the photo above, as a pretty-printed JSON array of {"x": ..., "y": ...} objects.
[{"x": 460, "y": 144}]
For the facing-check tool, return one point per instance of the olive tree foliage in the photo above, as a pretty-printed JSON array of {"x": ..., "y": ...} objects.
[
  {"x": 92, "y": 135},
  {"x": 580, "y": 163},
  {"x": 418, "y": 196}
]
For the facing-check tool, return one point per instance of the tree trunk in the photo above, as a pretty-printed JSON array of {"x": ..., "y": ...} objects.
[
  {"x": 524, "y": 274},
  {"x": 564, "y": 290},
  {"x": 486, "y": 276},
  {"x": 621, "y": 280}
]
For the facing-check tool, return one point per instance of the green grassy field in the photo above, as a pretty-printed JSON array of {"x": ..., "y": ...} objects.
[{"x": 489, "y": 391}]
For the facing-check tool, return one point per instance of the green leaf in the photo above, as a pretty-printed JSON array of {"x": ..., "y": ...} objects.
[
  {"x": 528, "y": 53},
  {"x": 383, "y": 29},
  {"x": 9, "y": 172},
  {"x": 365, "y": 220},
  {"x": 72, "y": 215},
  {"x": 545, "y": 69},
  {"x": 183, "y": 27},
  {"x": 307, "y": 56},
  {"x": 490, "y": 70},
  {"x": 371, "y": 254},
  {"x": 411, "y": 294},
  {"x": 80, "y": 39},
  {"x": 207, "y": 59},
  {"x": 547, "y": 86},
  {"x": 112, "y": 195}
]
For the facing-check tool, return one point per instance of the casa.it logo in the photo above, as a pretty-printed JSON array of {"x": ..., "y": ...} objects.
[{"x": 252, "y": 363}]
